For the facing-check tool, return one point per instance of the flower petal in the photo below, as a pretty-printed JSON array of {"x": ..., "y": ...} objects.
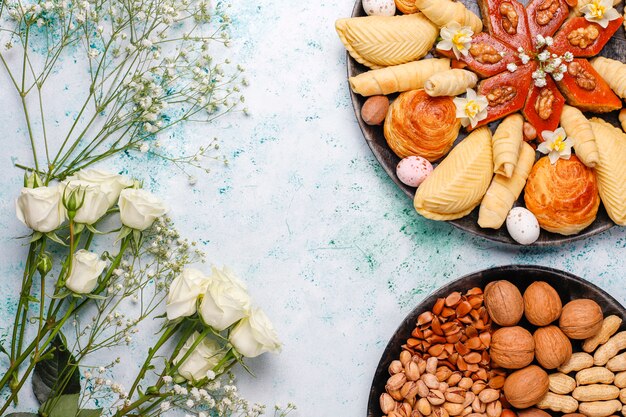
[
  {"x": 543, "y": 148},
  {"x": 554, "y": 156}
]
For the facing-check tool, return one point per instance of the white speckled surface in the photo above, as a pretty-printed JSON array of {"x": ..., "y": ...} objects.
[{"x": 328, "y": 245}]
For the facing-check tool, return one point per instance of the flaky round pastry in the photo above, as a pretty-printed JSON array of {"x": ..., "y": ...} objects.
[
  {"x": 564, "y": 196},
  {"x": 406, "y": 6},
  {"x": 420, "y": 125}
]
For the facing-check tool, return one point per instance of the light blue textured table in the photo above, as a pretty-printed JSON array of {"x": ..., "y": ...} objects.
[{"x": 326, "y": 242}]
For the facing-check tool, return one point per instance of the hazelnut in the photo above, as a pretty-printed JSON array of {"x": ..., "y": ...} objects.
[
  {"x": 504, "y": 303},
  {"x": 526, "y": 387},
  {"x": 534, "y": 412},
  {"x": 512, "y": 347},
  {"x": 508, "y": 413},
  {"x": 375, "y": 109},
  {"x": 581, "y": 319},
  {"x": 552, "y": 347},
  {"x": 542, "y": 304}
]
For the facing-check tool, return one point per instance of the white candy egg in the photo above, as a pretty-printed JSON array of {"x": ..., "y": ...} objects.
[
  {"x": 379, "y": 7},
  {"x": 522, "y": 225},
  {"x": 413, "y": 170}
]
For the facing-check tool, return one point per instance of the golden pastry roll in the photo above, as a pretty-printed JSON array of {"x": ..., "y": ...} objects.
[
  {"x": 459, "y": 182},
  {"x": 398, "y": 78},
  {"x": 442, "y": 12},
  {"x": 503, "y": 191},
  {"x": 613, "y": 72},
  {"x": 622, "y": 119},
  {"x": 507, "y": 139},
  {"x": 450, "y": 83},
  {"x": 383, "y": 41},
  {"x": 406, "y": 6},
  {"x": 578, "y": 129},
  {"x": 611, "y": 170}
]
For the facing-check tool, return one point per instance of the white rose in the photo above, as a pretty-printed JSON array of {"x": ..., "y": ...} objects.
[
  {"x": 255, "y": 335},
  {"x": 110, "y": 183},
  {"x": 86, "y": 269},
  {"x": 184, "y": 292},
  {"x": 139, "y": 208},
  {"x": 202, "y": 360},
  {"x": 225, "y": 301},
  {"x": 40, "y": 208},
  {"x": 94, "y": 200}
]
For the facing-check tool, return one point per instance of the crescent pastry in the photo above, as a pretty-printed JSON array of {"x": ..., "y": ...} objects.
[
  {"x": 578, "y": 128},
  {"x": 450, "y": 83},
  {"x": 613, "y": 72},
  {"x": 506, "y": 144},
  {"x": 459, "y": 182},
  {"x": 442, "y": 12},
  {"x": 406, "y": 6},
  {"x": 611, "y": 170},
  {"x": 420, "y": 125},
  {"x": 403, "y": 77},
  {"x": 563, "y": 196},
  {"x": 382, "y": 41},
  {"x": 503, "y": 191}
]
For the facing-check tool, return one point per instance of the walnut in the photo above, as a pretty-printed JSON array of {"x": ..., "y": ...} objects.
[
  {"x": 584, "y": 78},
  {"x": 500, "y": 95},
  {"x": 485, "y": 53},
  {"x": 583, "y": 37},
  {"x": 544, "y": 102},
  {"x": 509, "y": 18},
  {"x": 546, "y": 11}
]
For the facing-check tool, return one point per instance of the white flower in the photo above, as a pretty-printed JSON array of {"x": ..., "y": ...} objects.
[
  {"x": 144, "y": 148},
  {"x": 167, "y": 379},
  {"x": 86, "y": 269},
  {"x": 165, "y": 405},
  {"x": 543, "y": 56},
  {"x": 94, "y": 200},
  {"x": 255, "y": 335},
  {"x": 456, "y": 38},
  {"x": 205, "y": 357},
  {"x": 568, "y": 56},
  {"x": 600, "y": 12},
  {"x": 525, "y": 58},
  {"x": 110, "y": 183},
  {"x": 540, "y": 82},
  {"x": 184, "y": 292},
  {"x": 471, "y": 109},
  {"x": 549, "y": 41},
  {"x": 40, "y": 208},
  {"x": 557, "y": 76},
  {"x": 540, "y": 40},
  {"x": 226, "y": 300},
  {"x": 556, "y": 145},
  {"x": 511, "y": 67},
  {"x": 139, "y": 208}
]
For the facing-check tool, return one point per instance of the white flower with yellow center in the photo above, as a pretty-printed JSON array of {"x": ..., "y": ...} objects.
[
  {"x": 456, "y": 38},
  {"x": 471, "y": 109},
  {"x": 600, "y": 12},
  {"x": 556, "y": 145}
]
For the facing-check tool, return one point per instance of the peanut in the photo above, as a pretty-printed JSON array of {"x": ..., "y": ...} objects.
[
  {"x": 596, "y": 392},
  {"x": 620, "y": 380},
  {"x": 561, "y": 383},
  {"x": 609, "y": 326},
  {"x": 610, "y": 349},
  {"x": 617, "y": 363},
  {"x": 600, "y": 408},
  {"x": 558, "y": 403},
  {"x": 622, "y": 396},
  {"x": 595, "y": 375},
  {"x": 578, "y": 361}
]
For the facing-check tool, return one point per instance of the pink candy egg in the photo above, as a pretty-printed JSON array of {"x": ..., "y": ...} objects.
[{"x": 413, "y": 170}]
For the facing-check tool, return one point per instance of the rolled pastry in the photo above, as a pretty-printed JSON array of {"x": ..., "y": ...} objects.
[
  {"x": 460, "y": 181},
  {"x": 503, "y": 191},
  {"x": 450, "y": 83},
  {"x": 622, "y": 119},
  {"x": 382, "y": 41},
  {"x": 406, "y": 6},
  {"x": 404, "y": 77},
  {"x": 611, "y": 170},
  {"x": 506, "y": 144},
  {"x": 442, "y": 12},
  {"x": 613, "y": 72},
  {"x": 578, "y": 128}
]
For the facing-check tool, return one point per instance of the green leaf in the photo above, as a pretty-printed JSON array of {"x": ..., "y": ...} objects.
[
  {"x": 64, "y": 406},
  {"x": 22, "y": 415},
  {"x": 53, "y": 237},
  {"x": 36, "y": 236},
  {"x": 125, "y": 231},
  {"x": 90, "y": 413},
  {"x": 93, "y": 229},
  {"x": 54, "y": 369}
]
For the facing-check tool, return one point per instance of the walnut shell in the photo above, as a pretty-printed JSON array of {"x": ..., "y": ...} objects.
[
  {"x": 512, "y": 347},
  {"x": 581, "y": 319},
  {"x": 526, "y": 387},
  {"x": 542, "y": 304},
  {"x": 552, "y": 347},
  {"x": 504, "y": 303}
]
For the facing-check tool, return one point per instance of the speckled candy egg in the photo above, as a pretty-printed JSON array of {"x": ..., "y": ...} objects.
[
  {"x": 522, "y": 226},
  {"x": 379, "y": 7},
  {"x": 413, "y": 170}
]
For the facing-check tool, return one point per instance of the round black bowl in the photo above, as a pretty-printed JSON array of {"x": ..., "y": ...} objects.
[{"x": 567, "y": 285}]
